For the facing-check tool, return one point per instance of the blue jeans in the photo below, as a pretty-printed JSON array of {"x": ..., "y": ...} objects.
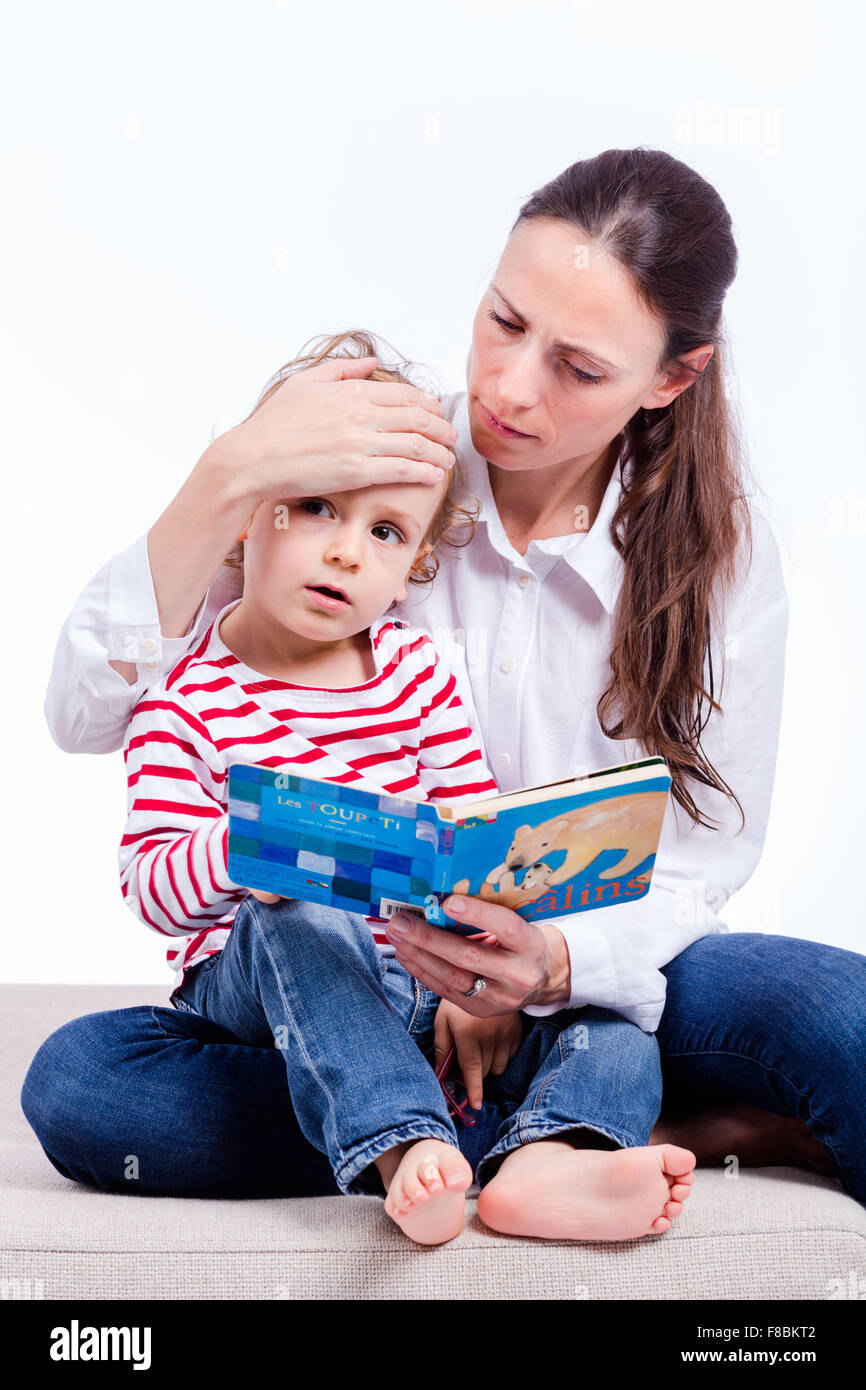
[
  {"x": 771, "y": 1021},
  {"x": 356, "y": 1035}
]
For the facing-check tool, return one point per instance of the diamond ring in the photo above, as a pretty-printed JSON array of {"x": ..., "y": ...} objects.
[{"x": 478, "y": 988}]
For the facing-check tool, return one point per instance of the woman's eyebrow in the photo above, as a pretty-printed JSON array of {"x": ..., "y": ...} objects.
[{"x": 568, "y": 347}]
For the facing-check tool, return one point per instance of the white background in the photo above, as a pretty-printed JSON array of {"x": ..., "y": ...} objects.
[{"x": 193, "y": 190}]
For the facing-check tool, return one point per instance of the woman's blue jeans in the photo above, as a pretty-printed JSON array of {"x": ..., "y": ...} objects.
[{"x": 294, "y": 1092}]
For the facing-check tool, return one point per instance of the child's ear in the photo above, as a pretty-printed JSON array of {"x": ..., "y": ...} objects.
[
  {"x": 421, "y": 554},
  {"x": 243, "y": 534}
]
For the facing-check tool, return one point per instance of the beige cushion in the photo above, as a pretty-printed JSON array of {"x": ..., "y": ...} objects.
[{"x": 769, "y": 1233}]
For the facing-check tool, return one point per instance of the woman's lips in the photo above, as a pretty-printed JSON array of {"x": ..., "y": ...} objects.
[
  {"x": 504, "y": 430},
  {"x": 325, "y": 600}
]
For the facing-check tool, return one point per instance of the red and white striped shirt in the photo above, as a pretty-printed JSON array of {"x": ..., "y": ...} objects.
[{"x": 404, "y": 732}]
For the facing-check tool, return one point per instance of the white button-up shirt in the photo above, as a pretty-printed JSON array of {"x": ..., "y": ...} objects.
[{"x": 528, "y": 638}]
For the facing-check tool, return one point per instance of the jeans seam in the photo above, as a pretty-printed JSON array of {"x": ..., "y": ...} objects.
[
  {"x": 419, "y": 1001},
  {"x": 546, "y": 1082},
  {"x": 299, "y": 1032},
  {"x": 552, "y": 1075}
]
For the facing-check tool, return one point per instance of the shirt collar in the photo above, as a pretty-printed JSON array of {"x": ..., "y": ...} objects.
[{"x": 591, "y": 554}]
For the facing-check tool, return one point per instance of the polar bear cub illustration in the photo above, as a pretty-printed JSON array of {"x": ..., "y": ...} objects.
[{"x": 630, "y": 823}]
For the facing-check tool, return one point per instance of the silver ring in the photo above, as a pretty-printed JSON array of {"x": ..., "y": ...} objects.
[{"x": 478, "y": 988}]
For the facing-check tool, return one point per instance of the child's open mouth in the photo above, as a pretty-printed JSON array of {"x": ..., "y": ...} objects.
[{"x": 327, "y": 597}]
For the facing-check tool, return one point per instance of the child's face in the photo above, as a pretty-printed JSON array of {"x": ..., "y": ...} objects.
[{"x": 362, "y": 542}]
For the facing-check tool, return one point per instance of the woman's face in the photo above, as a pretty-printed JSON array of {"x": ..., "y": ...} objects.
[{"x": 569, "y": 401}]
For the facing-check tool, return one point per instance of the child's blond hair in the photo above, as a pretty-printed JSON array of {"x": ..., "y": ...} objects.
[{"x": 450, "y": 518}]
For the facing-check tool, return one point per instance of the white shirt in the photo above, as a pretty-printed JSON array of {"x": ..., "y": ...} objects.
[{"x": 530, "y": 665}]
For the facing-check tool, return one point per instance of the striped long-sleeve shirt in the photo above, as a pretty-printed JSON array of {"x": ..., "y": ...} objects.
[{"x": 404, "y": 732}]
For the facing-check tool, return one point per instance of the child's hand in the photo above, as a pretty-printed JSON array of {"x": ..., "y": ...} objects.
[{"x": 483, "y": 1044}]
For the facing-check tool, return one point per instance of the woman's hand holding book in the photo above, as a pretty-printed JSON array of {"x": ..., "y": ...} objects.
[{"x": 527, "y": 963}]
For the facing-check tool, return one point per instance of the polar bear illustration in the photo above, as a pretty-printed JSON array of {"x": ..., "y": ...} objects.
[
  {"x": 583, "y": 834},
  {"x": 506, "y": 891}
]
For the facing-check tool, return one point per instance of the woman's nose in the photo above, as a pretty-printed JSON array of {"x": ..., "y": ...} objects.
[{"x": 519, "y": 385}]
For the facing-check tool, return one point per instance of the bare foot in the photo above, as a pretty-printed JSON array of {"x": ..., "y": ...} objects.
[
  {"x": 757, "y": 1138},
  {"x": 427, "y": 1192},
  {"x": 552, "y": 1189}
]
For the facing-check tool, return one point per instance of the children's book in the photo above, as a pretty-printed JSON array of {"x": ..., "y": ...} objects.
[{"x": 545, "y": 851}]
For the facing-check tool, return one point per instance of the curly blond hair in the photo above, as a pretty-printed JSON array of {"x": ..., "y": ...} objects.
[{"x": 453, "y": 524}]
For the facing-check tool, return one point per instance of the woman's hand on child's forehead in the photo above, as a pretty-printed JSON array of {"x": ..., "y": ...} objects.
[{"x": 328, "y": 428}]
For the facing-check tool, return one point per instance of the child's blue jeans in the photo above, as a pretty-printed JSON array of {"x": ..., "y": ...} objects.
[
  {"x": 771, "y": 1021},
  {"x": 356, "y": 1033}
]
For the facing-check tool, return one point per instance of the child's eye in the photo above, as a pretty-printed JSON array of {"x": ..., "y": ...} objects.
[
  {"x": 386, "y": 526},
  {"x": 380, "y": 526}
]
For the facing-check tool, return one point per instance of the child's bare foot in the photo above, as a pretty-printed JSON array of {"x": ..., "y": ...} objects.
[
  {"x": 550, "y": 1188},
  {"x": 427, "y": 1192}
]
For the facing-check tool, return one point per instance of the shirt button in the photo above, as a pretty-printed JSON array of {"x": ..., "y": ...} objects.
[
  {"x": 524, "y": 580},
  {"x": 148, "y": 645},
  {"x": 504, "y": 759},
  {"x": 151, "y": 665},
  {"x": 507, "y": 665}
]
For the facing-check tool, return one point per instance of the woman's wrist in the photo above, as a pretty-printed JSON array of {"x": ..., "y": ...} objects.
[
  {"x": 230, "y": 477},
  {"x": 187, "y": 544},
  {"x": 557, "y": 988}
]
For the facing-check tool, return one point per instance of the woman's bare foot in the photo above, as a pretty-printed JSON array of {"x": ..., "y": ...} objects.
[
  {"x": 426, "y": 1183},
  {"x": 552, "y": 1189},
  {"x": 756, "y": 1138}
]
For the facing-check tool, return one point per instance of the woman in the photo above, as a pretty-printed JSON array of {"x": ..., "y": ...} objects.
[{"x": 608, "y": 589}]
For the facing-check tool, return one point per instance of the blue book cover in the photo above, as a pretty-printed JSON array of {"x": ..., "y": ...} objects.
[{"x": 570, "y": 846}]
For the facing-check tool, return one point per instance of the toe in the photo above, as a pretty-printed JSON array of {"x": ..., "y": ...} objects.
[
  {"x": 673, "y": 1209},
  {"x": 659, "y": 1226},
  {"x": 429, "y": 1174},
  {"x": 679, "y": 1191},
  {"x": 682, "y": 1180},
  {"x": 455, "y": 1171},
  {"x": 398, "y": 1197},
  {"x": 415, "y": 1190},
  {"x": 677, "y": 1162}
]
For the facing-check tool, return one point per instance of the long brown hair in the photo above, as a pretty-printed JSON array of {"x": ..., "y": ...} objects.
[
  {"x": 683, "y": 515},
  {"x": 453, "y": 524}
]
